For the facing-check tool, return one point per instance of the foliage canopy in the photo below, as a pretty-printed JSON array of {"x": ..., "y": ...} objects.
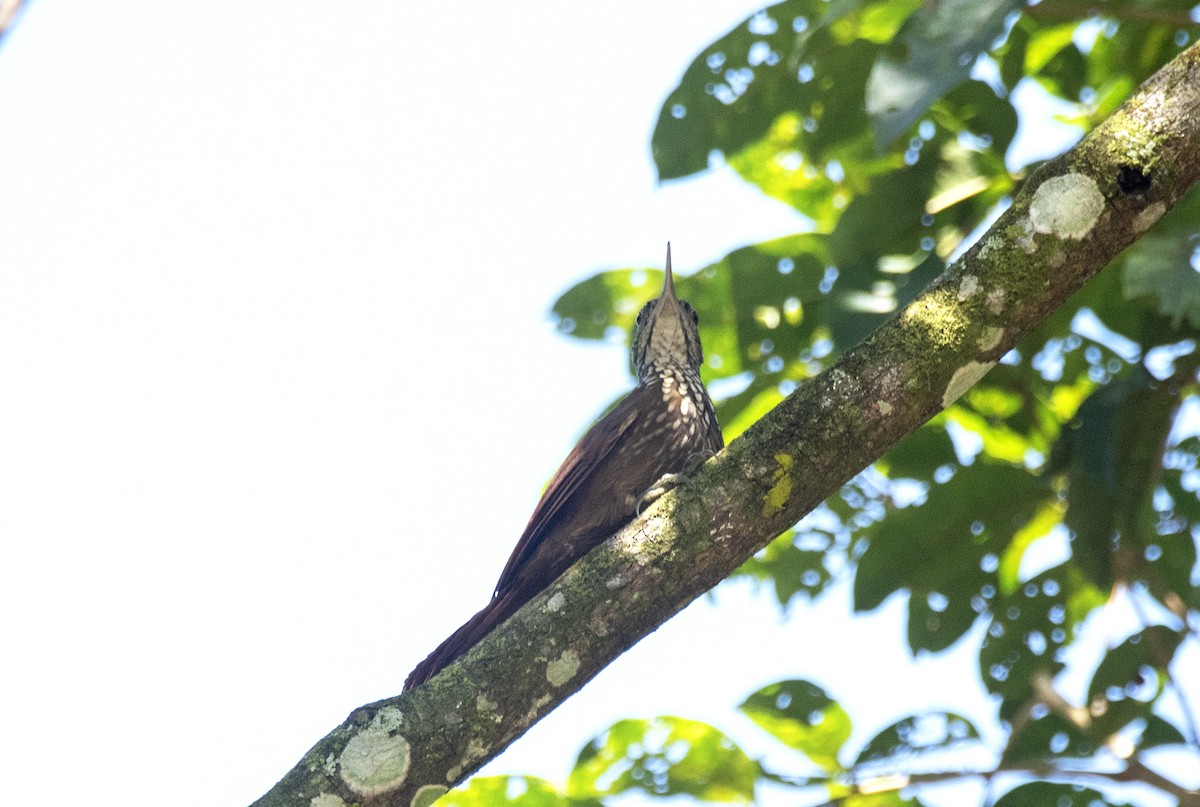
[{"x": 1064, "y": 483}]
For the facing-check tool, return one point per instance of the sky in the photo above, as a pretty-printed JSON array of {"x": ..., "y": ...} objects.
[{"x": 280, "y": 385}]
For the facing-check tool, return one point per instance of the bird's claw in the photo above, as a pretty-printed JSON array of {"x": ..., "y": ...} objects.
[
  {"x": 671, "y": 481},
  {"x": 655, "y": 492}
]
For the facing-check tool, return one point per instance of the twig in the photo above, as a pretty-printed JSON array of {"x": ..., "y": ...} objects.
[
  {"x": 1062, "y": 11},
  {"x": 1134, "y": 771}
]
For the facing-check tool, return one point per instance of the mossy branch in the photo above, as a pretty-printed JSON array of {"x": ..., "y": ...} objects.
[{"x": 1073, "y": 216}]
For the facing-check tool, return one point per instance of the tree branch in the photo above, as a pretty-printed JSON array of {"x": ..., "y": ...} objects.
[
  {"x": 1134, "y": 771},
  {"x": 1065, "y": 11},
  {"x": 1072, "y": 217}
]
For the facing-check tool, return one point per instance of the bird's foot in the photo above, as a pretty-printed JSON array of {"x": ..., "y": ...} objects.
[
  {"x": 656, "y": 491},
  {"x": 671, "y": 481}
]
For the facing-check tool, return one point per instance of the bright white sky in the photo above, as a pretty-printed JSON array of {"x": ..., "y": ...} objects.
[{"x": 274, "y": 280}]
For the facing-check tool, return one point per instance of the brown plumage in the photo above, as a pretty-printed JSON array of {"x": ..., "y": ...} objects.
[{"x": 660, "y": 425}]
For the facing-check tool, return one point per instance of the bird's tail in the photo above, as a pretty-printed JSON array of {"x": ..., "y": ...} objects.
[{"x": 466, "y": 637}]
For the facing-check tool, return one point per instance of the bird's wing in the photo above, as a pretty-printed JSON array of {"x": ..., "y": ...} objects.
[{"x": 592, "y": 451}]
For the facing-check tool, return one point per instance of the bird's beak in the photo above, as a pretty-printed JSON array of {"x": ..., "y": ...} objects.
[{"x": 668, "y": 284}]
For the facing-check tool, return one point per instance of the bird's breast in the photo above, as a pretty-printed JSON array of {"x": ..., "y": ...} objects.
[{"x": 685, "y": 413}]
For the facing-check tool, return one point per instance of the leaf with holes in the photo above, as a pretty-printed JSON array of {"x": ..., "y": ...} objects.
[
  {"x": 918, "y": 734},
  {"x": 791, "y": 570},
  {"x": 665, "y": 756},
  {"x": 1130, "y": 678},
  {"x": 935, "y": 51},
  {"x": 735, "y": 89},
  {"x": 1028, "y": 629},
  {"x": 945, "y": 551},
  {"x": 526, "y": 791},
  {"x": 1048, "y": 736},
  {"x": 803, "y": 717},
  {"x": 1132, "y": 666}
]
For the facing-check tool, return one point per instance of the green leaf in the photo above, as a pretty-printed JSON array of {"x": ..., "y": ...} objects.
[
  {"x": 1044, "y": 794},
  {"x": 1159, "y": 266},
  {"x": 999, "y": 440},
  {"x": 1029, "y": 627},
  {"x": 974, "y": 108},
  {"x": 945, "y": 551},
  {"x": 766, "y": 299},
  {"x": 1129, "y": 681},
  {"x": 1012, "y": 54},
  {"x": 1112, "y": 455},
  {"x": 744, "y": 410},
  {"x": 1044, "y": 43},
  {"x": 882, "y": 222},
  {"x": 867, "y": 293},
  {"x": 916, "y": 735},
  {"x": 526, "y": 791},
  {"x": 665, "y": 756},
  {"x": 1170, "y": 559},
  {"x": 1162, "y": 269},
  {"x": 1123, "y": 56},
  {"x": 606, "y": 303},
  {"x": 791, "y": 570},
  {"x": 1169, "y": 564},
  {"x": 1049, "y": 738},
  {"x": 803, "y": 717},
  {"x": 732, "y": 93},
  {"x": 937, "y": 620},
  {"x": 780, "y": 165},
  {"x": 1041, "y": 525},
  {"x": 1159, "y": 732},
  {"x": 1065, "y": 74},
  {"x": 1135, "y": 669},
  {"x": 936, "y": 51}
]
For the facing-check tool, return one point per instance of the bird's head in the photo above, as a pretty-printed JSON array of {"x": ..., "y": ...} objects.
[{"x": 667, "y": 333}]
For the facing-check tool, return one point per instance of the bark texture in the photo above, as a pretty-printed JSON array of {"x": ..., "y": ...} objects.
[{"x": 1073, "y": 216}]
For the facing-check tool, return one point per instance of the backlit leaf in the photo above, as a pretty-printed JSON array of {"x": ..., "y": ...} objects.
[{"x": 803, "y": 717}]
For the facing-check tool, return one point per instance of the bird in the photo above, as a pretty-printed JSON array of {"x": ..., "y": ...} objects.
[{"x": 649, "y": 438}]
